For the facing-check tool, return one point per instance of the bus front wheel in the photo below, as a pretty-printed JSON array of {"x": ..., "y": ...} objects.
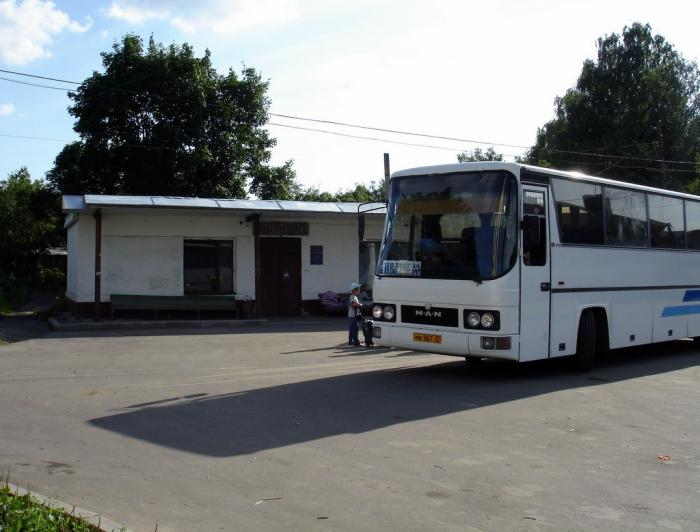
[{"x": 585, "y": 342}]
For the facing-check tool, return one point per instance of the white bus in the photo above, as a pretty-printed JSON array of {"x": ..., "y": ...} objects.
[{"x": 502, "y": 260}]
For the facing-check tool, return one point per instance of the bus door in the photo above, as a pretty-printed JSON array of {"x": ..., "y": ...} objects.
[{"x": 535, "y": 276}]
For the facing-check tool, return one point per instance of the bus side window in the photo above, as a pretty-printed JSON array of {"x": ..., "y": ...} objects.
[
  {"x": 534, "y": 229},
  {"x": 534, "y": 241}
]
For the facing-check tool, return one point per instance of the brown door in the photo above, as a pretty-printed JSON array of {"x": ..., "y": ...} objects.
[{"x": 280, "y": 276}]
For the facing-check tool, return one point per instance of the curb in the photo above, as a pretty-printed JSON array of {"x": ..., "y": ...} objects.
[
  {"x": 86, "y": 515},
  {"x": 130, "y": 325}
]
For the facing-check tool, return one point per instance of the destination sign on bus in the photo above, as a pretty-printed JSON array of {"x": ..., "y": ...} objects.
[{"x": 408, "y": 268}]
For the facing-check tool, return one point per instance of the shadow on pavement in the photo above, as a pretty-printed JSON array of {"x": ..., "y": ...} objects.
[
  {"x": 266, "y": 418},
  {"x": 20, "y": 328},
  {"x": 300, "y": 325}
]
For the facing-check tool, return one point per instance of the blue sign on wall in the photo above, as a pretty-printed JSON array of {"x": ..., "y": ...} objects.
[{"x": 316, "y": 254}]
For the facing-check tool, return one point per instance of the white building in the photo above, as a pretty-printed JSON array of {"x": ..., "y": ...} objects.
[{"x": 280, "y": 254}]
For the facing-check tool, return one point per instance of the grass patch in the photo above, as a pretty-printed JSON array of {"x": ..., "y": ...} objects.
[
  {"x": 23, "y": 512},
  {"x": 4, "y": 304}
]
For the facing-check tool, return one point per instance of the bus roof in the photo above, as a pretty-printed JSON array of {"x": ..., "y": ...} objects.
[{"x": 513, "y": 167}]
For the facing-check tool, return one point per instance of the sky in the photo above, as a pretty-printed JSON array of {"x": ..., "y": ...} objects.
[{"x": 478, "y": 71}]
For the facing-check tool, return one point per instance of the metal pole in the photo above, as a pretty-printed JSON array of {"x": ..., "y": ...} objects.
[{"x": 387, "y": 175}]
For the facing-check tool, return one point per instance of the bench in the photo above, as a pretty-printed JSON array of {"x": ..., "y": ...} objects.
[{"x": 196, "y": 303}]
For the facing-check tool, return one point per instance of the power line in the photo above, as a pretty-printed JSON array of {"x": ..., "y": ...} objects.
[
  {"x": 33, "y": 84},
  {"x": 395, "y": 131},
  {"x": 38, "y": 77},
  {"x": 169, "y": 148},
  {"x": 137, "y": 146},
  {"x": 368, "y": 138},
  {"x": 32, "y": 138},
  {"x": 357, "y": 126}
]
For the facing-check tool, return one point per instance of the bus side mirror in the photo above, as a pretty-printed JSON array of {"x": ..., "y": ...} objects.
[
  {"x": 361, "y": 227},
  {"x": 531, "y": 230}
]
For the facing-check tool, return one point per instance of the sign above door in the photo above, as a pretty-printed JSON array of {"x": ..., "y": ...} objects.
[{"x": 283, "y": 228}]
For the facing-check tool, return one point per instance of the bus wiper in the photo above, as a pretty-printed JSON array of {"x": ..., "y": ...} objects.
[{"x": 478, "y": 280}]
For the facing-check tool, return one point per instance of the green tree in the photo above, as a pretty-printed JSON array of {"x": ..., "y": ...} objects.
[
  {"x": 160, "y": 120},
  {"x": 478, "y": 155},
  {"x": 633, "y": 111},
  {"x": 361, "y": 193},
  {"x": 30, "y": 222},
  {"x": 275, "y": 182},
  {"x": 314, "y": 194}
]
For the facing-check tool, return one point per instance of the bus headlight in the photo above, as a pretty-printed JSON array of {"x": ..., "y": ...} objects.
[
  {"x": 482, "y": 319},
  {"x": 487, "y": 320},
  {"x": 377, "y": 312},
  {"x": 388, "y": 313}
]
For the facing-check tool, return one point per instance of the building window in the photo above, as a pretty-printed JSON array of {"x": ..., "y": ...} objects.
[{"x": 208, "y": 266}]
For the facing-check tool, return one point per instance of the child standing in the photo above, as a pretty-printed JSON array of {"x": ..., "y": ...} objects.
[{"x": 354, "y": 308}]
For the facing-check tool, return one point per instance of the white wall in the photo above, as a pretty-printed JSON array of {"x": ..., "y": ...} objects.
[
  {"x": 340, "y": 257},
  {"x": 141, "y": 265},
  {"x": 341, "y": 254},
  {"x": 142, "y": 253},
  {"x": 80, "y": 282},
  {"x": 72, "y": 241}
]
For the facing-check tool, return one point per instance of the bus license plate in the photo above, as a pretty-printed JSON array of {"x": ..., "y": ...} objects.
[{"x": 427, "y": 338}]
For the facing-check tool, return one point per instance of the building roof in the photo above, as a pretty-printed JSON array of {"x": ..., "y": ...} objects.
[{"x": 91, "y": 202}]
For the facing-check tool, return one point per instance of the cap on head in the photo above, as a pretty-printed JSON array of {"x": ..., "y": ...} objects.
[{"x": 355, "y": 286}]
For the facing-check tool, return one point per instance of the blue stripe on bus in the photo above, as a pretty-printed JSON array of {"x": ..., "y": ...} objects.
[
  {"x": 692, "y": 295},
  {"x": 683, "y": 310}
]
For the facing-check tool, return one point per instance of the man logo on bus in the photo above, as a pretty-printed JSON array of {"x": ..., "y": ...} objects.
[{"x": 428, "y": 313}]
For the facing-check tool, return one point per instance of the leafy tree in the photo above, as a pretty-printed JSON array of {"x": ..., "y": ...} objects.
[
  {"x": 361, "y": 193},
  {"x": 478, "y": 155},
  {"x": 314, "y": 194},
  {"x": 160, "y": 120},
  {"x": 633, "y": 111},
  {"x": 275, "y": 182},
  {"x": 30, "y": 222}
]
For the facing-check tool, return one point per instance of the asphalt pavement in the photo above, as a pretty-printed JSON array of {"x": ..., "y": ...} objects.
[{"x": 285, "y": 427}]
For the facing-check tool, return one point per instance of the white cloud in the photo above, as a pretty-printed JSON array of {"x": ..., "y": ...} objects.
[
  {"x": 218, "y": 16},
  {"x": 135, "y": 12},
  {"x": 7, "y": 109},
  {"x": 103, "y": 34},
  {"x": 28, "y": 28}
]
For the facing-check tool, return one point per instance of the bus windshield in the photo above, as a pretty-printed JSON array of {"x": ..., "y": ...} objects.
[{"x": 451, "y": 226}]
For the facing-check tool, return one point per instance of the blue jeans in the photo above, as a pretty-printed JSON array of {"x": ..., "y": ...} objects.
[{"x": 352, "y": 333}]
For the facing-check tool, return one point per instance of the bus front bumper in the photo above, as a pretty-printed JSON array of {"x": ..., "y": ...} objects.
[{"x": 455, "y": 343}]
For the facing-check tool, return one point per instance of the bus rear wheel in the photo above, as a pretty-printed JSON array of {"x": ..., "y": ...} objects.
[{"x": 585, "y": 342}]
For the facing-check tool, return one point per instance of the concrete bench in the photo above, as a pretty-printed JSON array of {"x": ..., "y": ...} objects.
[{"x": 196, "y": 303}]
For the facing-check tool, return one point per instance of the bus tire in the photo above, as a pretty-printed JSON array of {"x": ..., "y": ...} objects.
[{"x": 585, "y": 342}]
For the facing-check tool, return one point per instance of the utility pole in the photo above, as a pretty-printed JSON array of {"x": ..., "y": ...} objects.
[
  {"x": 664, "y": 174},
  {"x": 387, "y": 175}
]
